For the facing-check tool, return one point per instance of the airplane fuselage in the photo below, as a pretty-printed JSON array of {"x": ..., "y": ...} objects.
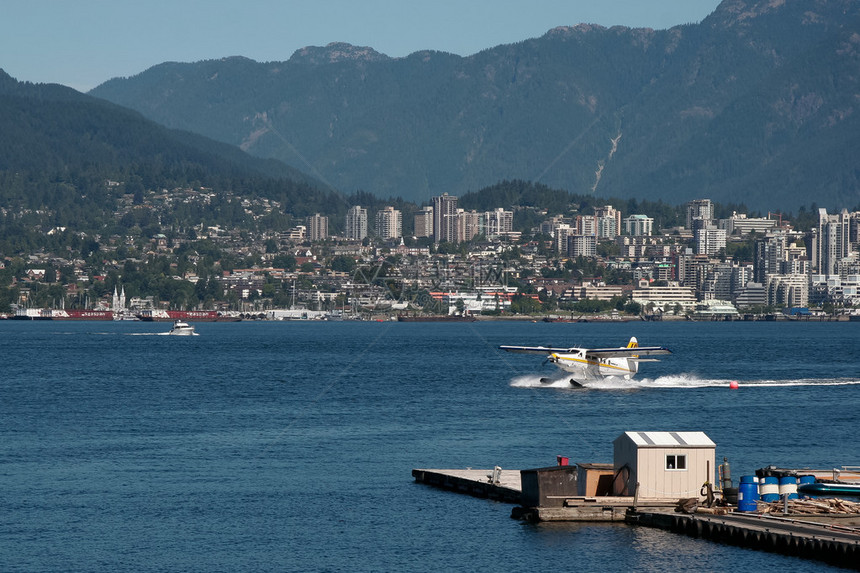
[{"x": 586, "y": 367}]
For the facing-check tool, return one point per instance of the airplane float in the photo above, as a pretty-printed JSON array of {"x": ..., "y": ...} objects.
[{"x": 593, "y": 364}]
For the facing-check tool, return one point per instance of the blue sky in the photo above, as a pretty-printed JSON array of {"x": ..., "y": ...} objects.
[{"x": 82, "y": 43}]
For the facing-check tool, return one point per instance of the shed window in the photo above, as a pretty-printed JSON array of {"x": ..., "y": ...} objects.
[{"x": 676, "y": 462}]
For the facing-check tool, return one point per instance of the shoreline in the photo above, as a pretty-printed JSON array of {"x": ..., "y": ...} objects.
[{"x": 387, "y": 317}]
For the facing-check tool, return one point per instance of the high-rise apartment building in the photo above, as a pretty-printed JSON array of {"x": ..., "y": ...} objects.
[
  {"x": 469, "y": 225},
  {"x": 498, "y": 222},
  {"x": 586, "y": 225},
  {"x": 709, "y": 239},
  {"x": 582, "y": 245},
  {"x": 830, "y": 241},
  {"x": 699, "y": 209},
  {"x": 356, "y": 223},
  {"x": 445, "y": 219},
  {"x": 424, "y": 222},
  {"x": 389, "y": 223},
  {"x": 608, "y": 221},
  {"x": 769, "y": 256},
  {"x": 317, "y": 227}
]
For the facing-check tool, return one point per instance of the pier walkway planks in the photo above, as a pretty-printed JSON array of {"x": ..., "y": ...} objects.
[{"x": 833, "y": 544}]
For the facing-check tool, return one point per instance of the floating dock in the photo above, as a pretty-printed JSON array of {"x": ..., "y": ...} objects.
[
  {"x": 496, "y": 483},
  {"x": 655, "y": 481},
  {"x": 832, "y": 539},
  {"x": 608, "y": 508},
  {"x": 506, "y": 486},
  {"x": 834, "y": 544}
]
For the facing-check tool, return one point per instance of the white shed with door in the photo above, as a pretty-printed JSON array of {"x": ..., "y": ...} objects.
[{"x": 664, "y": 464}]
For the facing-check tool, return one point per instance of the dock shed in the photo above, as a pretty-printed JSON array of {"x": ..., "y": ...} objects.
[{"x": 664, "y": 464}]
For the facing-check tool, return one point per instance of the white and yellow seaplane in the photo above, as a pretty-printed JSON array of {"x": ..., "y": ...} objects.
[{"x": 592, "y": 364}]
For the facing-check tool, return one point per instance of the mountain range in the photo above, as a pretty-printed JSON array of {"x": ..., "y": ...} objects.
[
  {"x": 758, "y": 104},
  {"x": 67, "y": 159}
]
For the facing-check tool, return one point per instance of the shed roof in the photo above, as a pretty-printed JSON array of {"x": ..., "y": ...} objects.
[{"x": 669, "y": 439}]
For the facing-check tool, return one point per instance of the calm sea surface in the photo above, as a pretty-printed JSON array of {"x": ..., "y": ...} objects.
[{"x": 289, "y": 446}]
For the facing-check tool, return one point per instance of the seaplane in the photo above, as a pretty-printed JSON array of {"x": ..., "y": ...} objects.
[{"x": 588, "y": 365}]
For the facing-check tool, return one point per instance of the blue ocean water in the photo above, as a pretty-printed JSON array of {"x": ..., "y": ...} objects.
[{"x": 261, "y": 446}]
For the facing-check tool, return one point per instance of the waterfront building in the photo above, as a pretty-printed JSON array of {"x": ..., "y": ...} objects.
[
  {"x": 389, "y": 223},
  {"x": 788, "y": 291},
  {"x": 719, "y": 282},
  {"x": 751, "y": 295},
  {"x": 715, "y": 310},
  {"x": 317, "y": 227},
  {"x": 838, "y": 290},
  {"x": 664, "y": 297},
  {"x": 639, "y": 225},
  {"x": 597, "y": 292},
  {"x": 356, "y": 223},
  {"x": 662, "y": 464},
  {"x": 445, "y": 219},
  {"x": 475, "y": 302},
  {"x": 741, "y": 275},
  {"x": 424, "y": 222}
]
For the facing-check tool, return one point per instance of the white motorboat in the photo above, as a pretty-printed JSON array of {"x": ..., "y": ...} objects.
[{"x": 181, "y": 328}]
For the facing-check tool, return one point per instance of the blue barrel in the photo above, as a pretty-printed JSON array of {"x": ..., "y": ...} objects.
[
  {"x": 769, "y": 488},
  {"x": 747, "y": 493},
  {"x": 788, "y": 486},
  {"x": 803, "y": 482}
]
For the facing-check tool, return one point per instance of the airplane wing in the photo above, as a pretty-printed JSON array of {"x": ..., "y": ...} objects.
[
  {"x": 621, "y": 351},
  {"x": 624, "y": 352},
  {"x": 534, "y": 349}
]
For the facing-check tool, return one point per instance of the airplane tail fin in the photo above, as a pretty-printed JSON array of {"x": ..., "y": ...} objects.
[{"x": 633, "y": 364}]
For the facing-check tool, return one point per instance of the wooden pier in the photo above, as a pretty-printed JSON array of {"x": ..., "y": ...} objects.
[
  {"x": 829, "y": 542},
  {"x": 831, "y": 538},
  {"x": 603, "y": 508},
  {"x": 498, "y": 484},
  {"x": 506, "y": 486}
]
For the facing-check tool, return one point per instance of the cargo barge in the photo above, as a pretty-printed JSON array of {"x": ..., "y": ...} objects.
[
  {"x": 435, "y": 318},
  {"x": 185, "y": 315},
  {"x": 81, "y": 314},
  {"x": 61, "y": 314}
]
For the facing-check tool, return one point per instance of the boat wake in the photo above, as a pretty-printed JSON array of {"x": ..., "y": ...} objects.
[
  {"x": 680, "y": 381},
  {"x": 147, "y": 333}
]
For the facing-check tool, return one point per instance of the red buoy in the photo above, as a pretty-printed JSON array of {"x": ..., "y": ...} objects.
[{"x": 733, "y": 384}]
